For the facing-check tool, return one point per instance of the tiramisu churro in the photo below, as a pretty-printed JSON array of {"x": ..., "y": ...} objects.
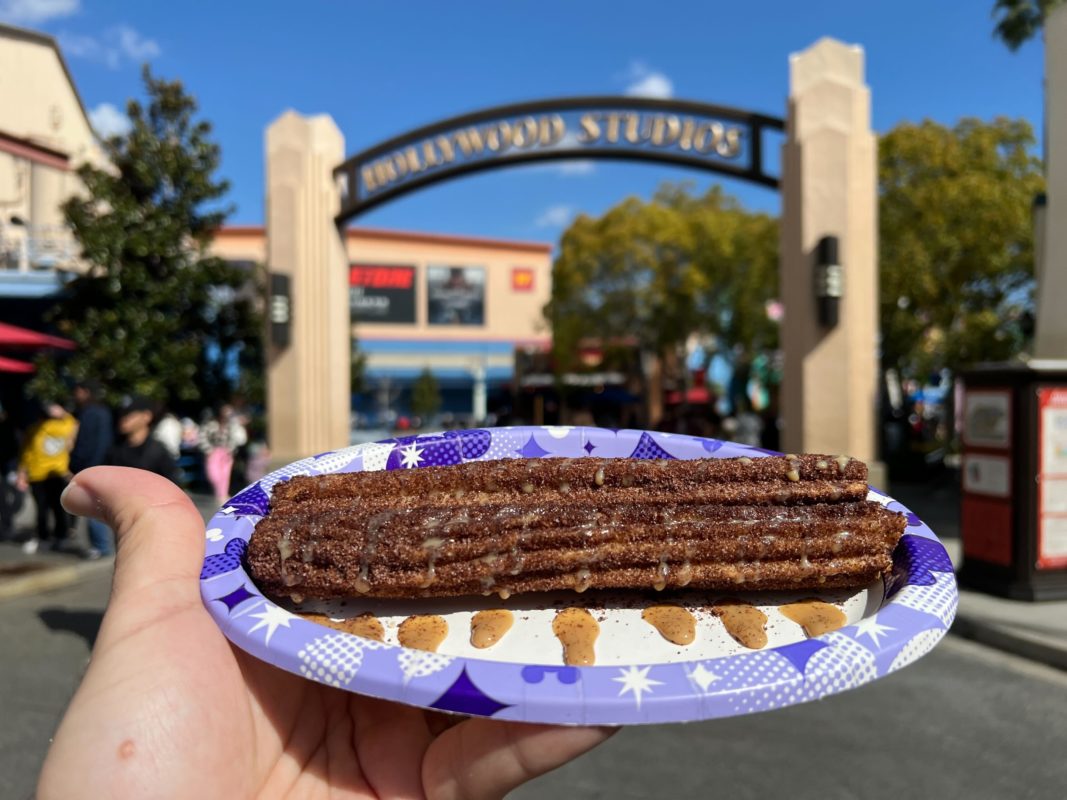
[{"x": 527, "y": 525}]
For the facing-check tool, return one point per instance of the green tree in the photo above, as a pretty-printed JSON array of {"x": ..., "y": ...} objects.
[
  {"x": 651, "y": 274},
  {"x": 956, "y": 242},
  {"x": 1018, "y": 21},
  {"x": 154, "y": 314},
  {"x": 425, "y": 395}
]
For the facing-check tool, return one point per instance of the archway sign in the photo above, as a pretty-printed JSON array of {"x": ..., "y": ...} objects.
[
  {"x": 681, "y": 132},
  {"x": 827, "y": 185}
]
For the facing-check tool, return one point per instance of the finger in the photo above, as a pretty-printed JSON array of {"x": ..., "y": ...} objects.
[
  {"x": 159, "y": 534},
  {"x": 482, "y": 759},
  {"x": 391, "y": 743}
]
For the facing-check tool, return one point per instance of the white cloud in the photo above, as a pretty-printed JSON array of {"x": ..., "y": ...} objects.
[
  {"x": 555, "y": 217},
  {"x": 647, "y": 82},
  {"x": 135, "y": 46},
  {"x": 36, "y": 11},
  {"x": 118, "y": 44},
  {"x": 108, "y": 121}
]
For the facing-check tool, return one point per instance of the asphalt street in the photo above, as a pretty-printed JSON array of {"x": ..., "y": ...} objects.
[{"x": 964, "y": 722}]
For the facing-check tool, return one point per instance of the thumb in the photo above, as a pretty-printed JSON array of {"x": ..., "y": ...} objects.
[{"x": 159, "y": 534}]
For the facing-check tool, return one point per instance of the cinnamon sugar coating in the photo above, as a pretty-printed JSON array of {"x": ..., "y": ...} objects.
[{"x": 523, "y": 525}]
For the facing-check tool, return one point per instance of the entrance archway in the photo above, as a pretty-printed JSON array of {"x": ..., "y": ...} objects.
[
  {"x": 827, "y": 186},
  {"x": 727, "y": 141}
]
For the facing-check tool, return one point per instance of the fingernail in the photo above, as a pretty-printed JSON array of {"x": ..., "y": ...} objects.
[{"x": 77, "y": 500}]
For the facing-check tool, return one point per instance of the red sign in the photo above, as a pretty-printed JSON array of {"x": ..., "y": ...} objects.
[
  {"x": 1052, "y": 478},
  {"x": 381, "y": 294},
  {"x": 371, "y": 277},
  {"x": 522, "y": 279}
]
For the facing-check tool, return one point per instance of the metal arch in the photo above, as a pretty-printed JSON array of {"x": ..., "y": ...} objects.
[{"x": 753, "y": 172}]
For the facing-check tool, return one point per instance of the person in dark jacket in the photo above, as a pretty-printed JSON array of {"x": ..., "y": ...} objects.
[
  {"x": 95, "y": 436},
  {"x": 137, "y": 448}
]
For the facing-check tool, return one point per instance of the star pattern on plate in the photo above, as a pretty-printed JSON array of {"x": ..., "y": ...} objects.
[
  {"x": 271, "y": 617},
  {"x": 410, "y": 456},
  {"x": 235, "y": 598},
  {"x": 635, "y": 679},
  {"x": 465, "y": 697},
  {"x": 872, "y": 628},
  {"x": 703, "y": 677},
  {"x": 532, "y": 449}
]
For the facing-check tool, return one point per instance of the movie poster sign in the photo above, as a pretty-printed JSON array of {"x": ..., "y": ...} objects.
[
  {"x": 455, "y": 295},
  {"x": 379, "y": 293}
]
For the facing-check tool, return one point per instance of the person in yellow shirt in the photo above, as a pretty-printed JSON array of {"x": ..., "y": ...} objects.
[{"x": 44, "y": 468}]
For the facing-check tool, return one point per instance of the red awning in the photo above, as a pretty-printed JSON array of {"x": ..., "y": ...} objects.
[
  {"x": 11, "y": 365},
  {"x": 14, "y": 336}
]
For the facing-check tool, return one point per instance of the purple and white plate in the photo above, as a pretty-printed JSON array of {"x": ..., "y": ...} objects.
[{"x": 639, "y": 676}]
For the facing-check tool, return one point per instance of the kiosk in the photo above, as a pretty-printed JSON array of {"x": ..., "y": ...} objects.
[{"x": 1013, "y": 506}]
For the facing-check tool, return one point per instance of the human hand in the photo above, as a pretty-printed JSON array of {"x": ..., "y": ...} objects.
[
  {"x": 22, "y": 483},
  {"x": 168, "y": 708}
]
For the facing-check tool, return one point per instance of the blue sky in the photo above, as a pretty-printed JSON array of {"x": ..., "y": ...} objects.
[{"x": 380, "y": 68}]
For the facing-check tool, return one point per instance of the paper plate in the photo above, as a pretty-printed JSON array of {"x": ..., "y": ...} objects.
[{"x": 639, "y": 677}]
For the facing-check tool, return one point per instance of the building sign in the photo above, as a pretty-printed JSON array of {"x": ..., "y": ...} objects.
[
  {"x": 1052, "y": 478},
  {"x": 522, "y": 279},
  {"x": 381, "y": 293},
  {"x": 987, "y": 419},
  {"x": 986, "y": 507},
  {"x": 699, "y": 135},
  {"x": 455, "y": 295}
]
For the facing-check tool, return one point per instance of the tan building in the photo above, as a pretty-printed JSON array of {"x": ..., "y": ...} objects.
[
  {"x": 456, "y": 305},
  {"x": 44, "y": 135}
]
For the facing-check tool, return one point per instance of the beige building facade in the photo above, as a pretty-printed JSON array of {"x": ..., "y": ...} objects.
[
  {"x": 458, "y": 306},
  {"x": 45, "y": 134}
]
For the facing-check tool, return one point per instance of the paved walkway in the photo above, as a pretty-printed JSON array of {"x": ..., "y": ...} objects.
[{"x": 1037, "y": 631}]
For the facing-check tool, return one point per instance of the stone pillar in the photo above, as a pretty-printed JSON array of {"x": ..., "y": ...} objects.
[
  {"x": 829, "y": 188},
  {"x": 1050, "y": 335},
  {"x": 308, "y": 391}
]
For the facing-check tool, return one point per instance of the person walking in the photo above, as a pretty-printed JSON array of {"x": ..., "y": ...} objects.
[
  {"x": 44, "y": 469},
  {"x": 95, "y": 436},
  {"x": 137, "y": 447},
  {"x": 219, "y": 439}
]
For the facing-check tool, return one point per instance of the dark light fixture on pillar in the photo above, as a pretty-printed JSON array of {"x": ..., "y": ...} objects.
[
  {"x": 828, "y": 281},
  {"x": 280, "y": 310}
]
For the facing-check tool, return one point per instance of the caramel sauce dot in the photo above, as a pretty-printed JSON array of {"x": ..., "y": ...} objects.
[
  {"x": 489, "y": 627},
  {"x": 674, "y": 623},
  {"x": 577, "y": 631},
  {"x": 816, "y": 617},
  {"x": 423, "y": 632}
]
